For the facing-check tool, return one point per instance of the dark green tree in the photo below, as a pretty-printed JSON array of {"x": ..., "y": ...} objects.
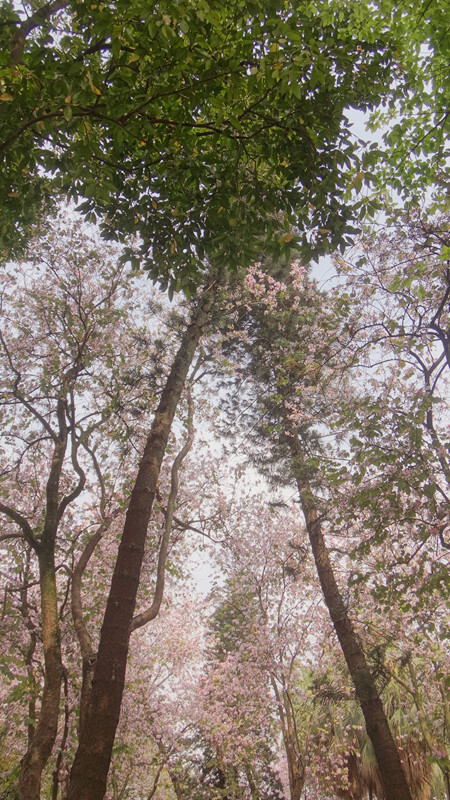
[
  {"x": 204, "y": 128},
  {"x": 234, "y": 616},
  {"x": 413, "y": 158}
]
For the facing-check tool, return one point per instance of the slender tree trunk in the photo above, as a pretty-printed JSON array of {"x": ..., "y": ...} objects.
[
  {"x": 391, "y": 770},
  {"x": 176, "y": 785},
  {"x": 296, "y": 770},
  {"x": 57, "y": 771},
  {"x": 254, "y": 794},
  {"x": 178, "y": 789},
  {"x": 88, "y": 653},
  {"x": 294, "y": 757},
  {"x": 90, "y": 768},
  {"x": 296, "y": 766},
  {"x": 32, "y": 628},
  {"x": 44, "y": 736}
]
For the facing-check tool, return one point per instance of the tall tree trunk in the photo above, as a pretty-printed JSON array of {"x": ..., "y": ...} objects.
[
  {"x": 90, "y": 768},
  {"x": 43, "y": 739},
  {"x": 391, "y": 770},
  {"x": 88, "y": 653}
]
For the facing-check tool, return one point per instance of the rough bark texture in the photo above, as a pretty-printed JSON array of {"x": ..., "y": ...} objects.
[
  {"x": 391, "y": 770},
  {"x": 92, "y": 760},
  {"x": 38, "y": 18},
  {"x": 43, "y": 739},
  {"x": 88, "y": 653},
  {"x": 152, "y": 612},
  {"x": 42, "y": 742}
]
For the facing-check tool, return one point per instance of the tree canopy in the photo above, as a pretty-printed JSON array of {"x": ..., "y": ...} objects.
[
  {"x": 213, "y": 141},
  {"x": 339, "y": 392},
  {"x": 210, "y": 130}
]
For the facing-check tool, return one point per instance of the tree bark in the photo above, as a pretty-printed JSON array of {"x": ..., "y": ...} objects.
[
  {"x": 90, "y": 768},
  {"x": 38, "y": 18},
  {"x": 56, "y": 783},
  {"x": 43, "y": 739},
  {"x": 88, "y": 653},
  {"x": 391, "y": 771},
  {"x": 294, "y": 757},
  {"x": 152, "y": 612},
  {"x": 44, "y": 736}
]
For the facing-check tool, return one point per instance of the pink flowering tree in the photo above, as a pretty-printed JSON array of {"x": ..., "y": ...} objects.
[
  {"x": 265, "y": 624},
  {"x": 78, "y": 384},
  {"x": 161, "y": 705},
  {"x": 337, "y": 399},
  {"x": 398, "y": 431},
  {"x": 298, "y": 368}
]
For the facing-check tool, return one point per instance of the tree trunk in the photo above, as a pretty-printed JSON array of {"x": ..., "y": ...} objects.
[
  {"x": 90, "y": 768},
  {"x": 44, "y": 736},
  {"x": 296, "y": 770},
  {"x": 43, "y": 739},
  {"x": 88, "y": 653},
  {"x": 391, "y": 770},
  {"x": 56, "y": 784},
  {"x": 294, "y": 757},
  {"x": 254, "y": 794}
]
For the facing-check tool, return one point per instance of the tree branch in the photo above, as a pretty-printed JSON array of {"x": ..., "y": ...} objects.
[
  {"x": 39, "y": 17},
  {"x": 153, "y": 611},
  {"x": 67, "y": 499},
  {"x": 23, "y": 523}
]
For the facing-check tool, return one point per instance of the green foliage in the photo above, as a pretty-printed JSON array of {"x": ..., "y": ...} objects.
[
  {"x": 234, "y": 617},
  {"x": 9, "y": 771},
  {"x": 413, "y": 159},
  {"x": 206, "y": 128}
]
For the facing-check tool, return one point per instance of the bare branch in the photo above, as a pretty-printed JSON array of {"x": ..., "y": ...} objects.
[
  {"x": 23, "y": 523},
  {"x": 20, "y": 397},
  {"x": 74, "y": 456},
  {"x": 81, "y": 631}
]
